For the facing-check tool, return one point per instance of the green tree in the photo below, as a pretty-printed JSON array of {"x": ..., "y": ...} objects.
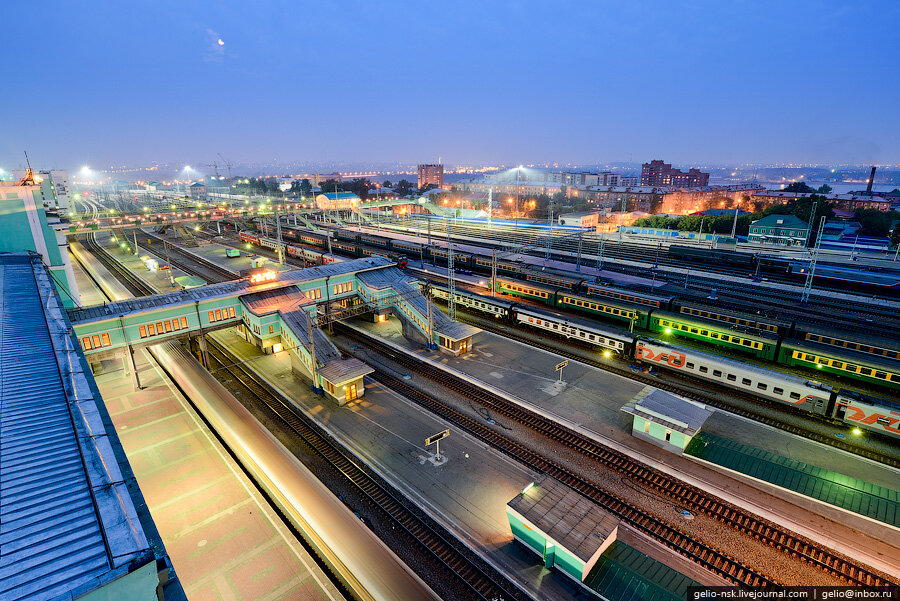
[
  {"x": 387, "y": 183},
  {"x": 404, "y": 188},
  {"x": 824, "y": 189},
  {"x": 874, "y": 222},
  {"x": 799, "y": 187},
  {"x": 305, "y": 187}
]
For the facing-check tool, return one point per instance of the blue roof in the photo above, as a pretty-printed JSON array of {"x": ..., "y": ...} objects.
[
  {"x": 68, "y": 523},
  {"x": 340, "y": 195}
]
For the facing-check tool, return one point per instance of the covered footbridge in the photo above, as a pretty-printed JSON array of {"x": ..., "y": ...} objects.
[{"x": 270, "y": 309}]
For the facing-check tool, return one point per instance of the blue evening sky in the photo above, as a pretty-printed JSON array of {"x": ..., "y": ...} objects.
[{"x": 488, "y": 81}]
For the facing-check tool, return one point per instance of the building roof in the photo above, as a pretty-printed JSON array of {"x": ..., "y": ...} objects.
[
  {"x": 344, "y": 370},
  {"x": 340, "y": 195},
  {"x": 279, "y": 299},
  {"x": 68, "y": 523},
  {"x": 567, "y": 517},
  {"x": 198, "y": 185},
  {"x": 578, "y": 215},
  {"x": 783, "y": 221},
  {"x": 671, "y": 411}
]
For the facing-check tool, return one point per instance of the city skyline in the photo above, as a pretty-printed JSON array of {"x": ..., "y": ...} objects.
[{"x": 506, "y": 83}]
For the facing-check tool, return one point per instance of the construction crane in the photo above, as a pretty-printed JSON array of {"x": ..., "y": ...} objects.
[
  {"x": 228, "y": 164},
  {"x": 215, "y": 167}
]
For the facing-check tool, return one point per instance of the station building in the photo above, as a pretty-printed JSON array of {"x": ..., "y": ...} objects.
[
  {"x": 783, "y": 230},
  {"x": 566, "y": 529},
  {"x": 33, "y": 219},
  {"x": 666, "y": 420}
]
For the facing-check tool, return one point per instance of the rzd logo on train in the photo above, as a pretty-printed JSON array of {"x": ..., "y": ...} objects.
[{"x": 674, "y": 359}]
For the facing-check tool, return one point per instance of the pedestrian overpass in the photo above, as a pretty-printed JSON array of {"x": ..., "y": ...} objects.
[{"x": 276, "y": 311}]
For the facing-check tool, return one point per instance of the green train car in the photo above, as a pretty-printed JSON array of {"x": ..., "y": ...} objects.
[
  {"x": 543, "y": 294},
  {"x": 762, "y": 345},
  {"x": 605, "y": 308},
  {"x": 844, "y": 363}
]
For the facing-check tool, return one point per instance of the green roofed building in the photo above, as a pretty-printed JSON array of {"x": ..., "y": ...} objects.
[
  {"x": 783, "y": 230},
  {"x": 565, "y": 528},
  {"x": 666, "y": 420}
]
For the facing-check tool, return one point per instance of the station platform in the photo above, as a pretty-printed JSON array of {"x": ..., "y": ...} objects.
[
  {"x": 88, "y": 290},
  {"x": 590, "y": 402},
  {"x": 158, "y": 280},
  {"x": 467, "y": 493},
  {"x": 212, "y": 251},
  {"x": 224, "y": 539},
  {"x": 864, "y": 498}
]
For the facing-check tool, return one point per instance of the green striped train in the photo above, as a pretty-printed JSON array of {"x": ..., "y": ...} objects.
[{"x": 761, "y": 337}]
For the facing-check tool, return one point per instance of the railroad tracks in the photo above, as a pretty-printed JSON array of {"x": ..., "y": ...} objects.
[
  {"x": 768, "y": 420},
  {"x": 189, "y": 262},
  {"x": 684, "y": 495},
  {"x": 421, "y": 536},
  {"x": 132, "y": 282}
]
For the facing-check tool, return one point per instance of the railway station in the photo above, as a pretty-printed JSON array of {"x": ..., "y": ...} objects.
[{"x": 348, "y": 354}]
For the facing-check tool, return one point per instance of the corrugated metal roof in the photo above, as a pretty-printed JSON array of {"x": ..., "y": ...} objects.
[
  {"x": 343, "y": 370},
  {"x": 672, "y": 411},
  {"x": 624, "y": 573},
  {"x": 67, "y": 521},
  {"x": 569, "y": 518},
  {"x": 325, "y": 349},
  {"x": 269, "y": 301},
  {"x": 865, "y": 498}
]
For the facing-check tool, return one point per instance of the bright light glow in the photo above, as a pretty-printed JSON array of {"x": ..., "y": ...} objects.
[
  {"x": 220, "y": 42},
  {"x": 527, "y": 488},
  {"x": 277, "y": 347},
  {"x": 857, "y": 431},
  {"x": 607, "y": 354},
  {"x": 85, "y": 170},
  {"x": 668, "y": 330}
]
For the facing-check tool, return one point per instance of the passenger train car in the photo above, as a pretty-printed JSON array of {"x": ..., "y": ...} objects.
[
  {"x": 292, "y": 250},
  {"x": 864, "y": 411},
  {"x": 736, "y": 331}
]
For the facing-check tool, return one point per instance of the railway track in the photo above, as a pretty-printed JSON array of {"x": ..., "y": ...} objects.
[
  {"x": 187, "y": 262},
  {"x": 421, "y": 536},
  {"x": 687, "y": 496},
  {"x": 773, "y": 421},
  {"x": 132, "y": 282}
]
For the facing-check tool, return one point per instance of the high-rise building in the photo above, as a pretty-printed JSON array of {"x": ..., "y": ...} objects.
[
  {"x": 657, "y": 173},
  {"x": 431, "y": 174},
  {"x": 32, "y": 218}
]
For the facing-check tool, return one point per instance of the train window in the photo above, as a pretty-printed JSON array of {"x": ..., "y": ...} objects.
[
  {"x": 704, "y": 332},
  {"x": 865, "y": 371},
  {"x": 731, "y": 377},
  {"x": 747, "y": 342},
  {"x": 762, "y": 386},
  {"x": 676, "y": 361},
  {"x": 694, "y": 331},
  {"x": 809, "y": 357},
  {"x": 592, "y": 337},
  {"x": 777, "y": 390},
  {"x": 717, "y": 373},
  {"x": 746, "y": 381},
  {"x": 690, "y": 365},
  {"x": 881, "y": 375},
  {"x": 703, "y": 369},
  {"x": 795, "y": 396},
  {"x": 851, "y": 367},
  {"x": 883, "y": 421}
]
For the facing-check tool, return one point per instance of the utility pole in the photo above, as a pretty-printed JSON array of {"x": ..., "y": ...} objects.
[
  {"x": 578, "y": 259},
  {"x": 490, "y": 210},
  {"x": 807, "y": 287},
  {"x": 169, "y": 264},
  {"x": 494, "y": 271},
  {"x": 550, "y": 232},
  {"x": 451, "y": 277},
  {"x": 312, "y": 352},
  {"x": 734, "y": 224},
  {"x": 622, "y": 224},
  {"x": 812, "y": 217},
  {"x": 429, "y": 303},
  {"x": 279, "y": 243}
]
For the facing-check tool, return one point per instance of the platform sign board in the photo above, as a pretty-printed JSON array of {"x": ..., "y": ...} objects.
[
  {"x": 439, "y": 436},
  {"x": 559, "y": 366},
  {"x": 259, "y": 276}
]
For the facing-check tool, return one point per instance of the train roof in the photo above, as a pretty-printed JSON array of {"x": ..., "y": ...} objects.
[
  {"x": 474, "y": 295},
  {"x": 871, "y": 399},
  {"x": 735, "y": 364},
  {"x": 533, "y": 285},
  {"x": 582, "y": 323},
  {"x": 739, "y": 314},
  {"x": 625, "y": 289},
  {"x": 603, "y": 300},
  {"x": 862, "y": 335},
  {"x": 556, "y": 273},
  {"x": 847, "y": 356},
  {"x": 761, "y": 336}
]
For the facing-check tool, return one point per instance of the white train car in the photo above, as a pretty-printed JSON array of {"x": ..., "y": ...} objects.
[
  {"x": 497, "y": 308},
  {"x": 571, "y": 328},
  {"x": 766, "y": 383}
]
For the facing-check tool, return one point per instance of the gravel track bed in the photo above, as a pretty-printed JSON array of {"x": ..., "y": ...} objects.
[{"x": 780, "y": 567}]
